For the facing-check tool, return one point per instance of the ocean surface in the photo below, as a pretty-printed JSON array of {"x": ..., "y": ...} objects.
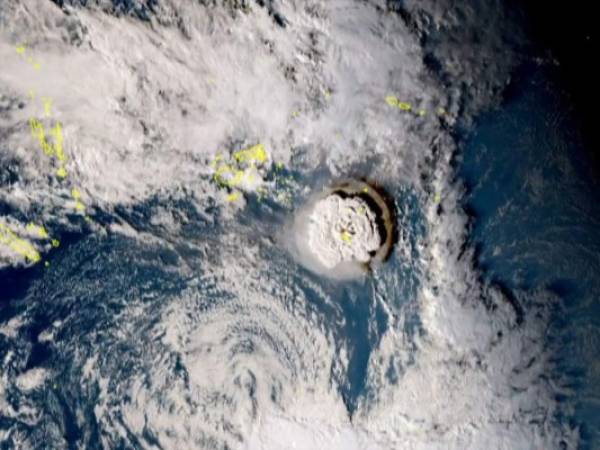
[{"x": 533, "y": 198}]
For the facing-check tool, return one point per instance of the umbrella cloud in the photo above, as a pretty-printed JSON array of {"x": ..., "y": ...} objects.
[{"x": 345, "y": 230}]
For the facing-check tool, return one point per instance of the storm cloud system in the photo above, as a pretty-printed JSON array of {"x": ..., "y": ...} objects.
[{"x": 155, "y": 159}]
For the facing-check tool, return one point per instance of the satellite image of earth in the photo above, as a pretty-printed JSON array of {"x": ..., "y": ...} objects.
[{"x": 299, "y": 224}]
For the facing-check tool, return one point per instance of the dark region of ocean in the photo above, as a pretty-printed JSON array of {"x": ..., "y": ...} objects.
[{"x": 533, "y": 197}]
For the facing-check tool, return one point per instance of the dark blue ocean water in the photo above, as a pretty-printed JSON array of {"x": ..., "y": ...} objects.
[{"x": 535, "y": 213}]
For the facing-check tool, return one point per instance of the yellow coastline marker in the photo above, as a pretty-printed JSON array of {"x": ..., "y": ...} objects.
[
  {"x": 228, "y": 175},
  {"x": 256, "y": 153},
  {"x": 47, "y": 105},
  {"x": 38, "y": 229},
  {"x": 39, "y": 132},
  {"x": 232, "y": 175},
  {"x": 392, "y": 100},
  {"x": 54, "y": 149},
  {"x": 21, "y": 246},
  {"x": 241, "y": 170},
  {"x": 56, "y": 133},
  {"x": 20, "y": 49},
  {"x": 233, "y": 196},
  {"x": 79, "y": 206}
]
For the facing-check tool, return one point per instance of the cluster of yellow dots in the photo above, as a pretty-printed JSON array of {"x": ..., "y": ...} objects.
[
  {"x": 240, "y": 172},
  {"x": 21, "y": 246},
  {"x": 395, "y": 102},
  {"x": 346, "y": 236},
  {"x": 22, "y": 50},
  {"x": 50, "y": 142},
  {"x": 56, "y": 149}
]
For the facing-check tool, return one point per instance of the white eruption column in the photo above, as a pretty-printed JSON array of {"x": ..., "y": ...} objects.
[{"x": 344, "y": 231}]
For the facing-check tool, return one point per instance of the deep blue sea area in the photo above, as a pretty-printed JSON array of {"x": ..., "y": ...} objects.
[{"x": 535, "y": 213}]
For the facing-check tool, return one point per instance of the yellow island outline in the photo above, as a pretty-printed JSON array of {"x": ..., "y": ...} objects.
[{"x": 21, "y": 246}]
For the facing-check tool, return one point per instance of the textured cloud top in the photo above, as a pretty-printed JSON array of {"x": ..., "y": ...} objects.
[{"x": 343, "y": 230}]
